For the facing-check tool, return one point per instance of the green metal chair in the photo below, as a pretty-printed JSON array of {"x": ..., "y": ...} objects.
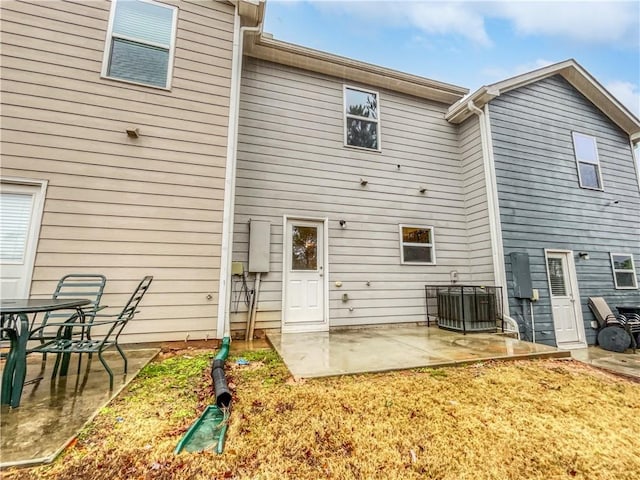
[
  {"x": 74, "y": 285},
  {"x": 90, "y": 342}
]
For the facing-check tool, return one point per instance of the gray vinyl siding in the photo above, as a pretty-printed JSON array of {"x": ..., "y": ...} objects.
[
  {"x": 475, "y": 194},
  {"x": 542, "y": 205},
  {"x": 119, "y": 206},
  {"x": 291, "y": 161}
]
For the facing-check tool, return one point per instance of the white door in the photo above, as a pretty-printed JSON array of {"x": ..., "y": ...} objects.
[
  {"x": 304, "y": 281},
  {"x": 20, "y": 214},
  {"x": 565, "y": 305}
]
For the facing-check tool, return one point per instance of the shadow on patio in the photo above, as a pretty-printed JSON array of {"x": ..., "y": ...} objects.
[
  {"x": 52, "y": 413},
  {"x": 394, "y": 348}
]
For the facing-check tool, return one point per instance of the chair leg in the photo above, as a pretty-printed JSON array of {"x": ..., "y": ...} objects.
[
  {"x": 56, "y": 365},
  {"x": 124, "y": 357},
  {"x": 43, "y": 365},
  {"x": 79, "y": 364},
  {"x": 106, "y": 367},
  {"x": 87, "y": 371}
]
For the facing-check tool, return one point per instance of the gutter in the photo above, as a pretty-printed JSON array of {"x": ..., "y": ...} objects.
[
  {"x": 493, "y": 208},
  {"x": 347, "y": 69},
  {"x": 223, "y": 328}
]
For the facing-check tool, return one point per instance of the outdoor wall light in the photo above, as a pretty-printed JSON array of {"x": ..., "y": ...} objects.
[
  {"x": 133, "y": 132},
  {"x": 343, "y": 223},
  {"x": 363, "y": 182},
  {"x": 584, "y": 255},
  {"x": 422, "y": 189}
]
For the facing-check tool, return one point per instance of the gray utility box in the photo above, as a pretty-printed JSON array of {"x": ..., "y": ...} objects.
[
  {"x": 259, "y": 246},
  {"x": 521, "y": 275}
]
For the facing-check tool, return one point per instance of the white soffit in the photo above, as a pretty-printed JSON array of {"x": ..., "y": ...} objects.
[{"x": 265, "y": 48}]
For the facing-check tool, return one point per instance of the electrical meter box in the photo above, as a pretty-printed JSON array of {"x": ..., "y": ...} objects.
[
  {"x": 259, "y": 246},
  {"x": 521, "y": 273}
]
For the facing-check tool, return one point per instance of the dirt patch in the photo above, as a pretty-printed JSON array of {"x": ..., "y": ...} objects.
[{"x": 538, "y": 419}]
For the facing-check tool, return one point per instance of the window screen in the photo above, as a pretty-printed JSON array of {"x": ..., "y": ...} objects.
[
  {"x": 140, "y": 47},
  {"x": 15, "y": 216},
  {"x": 556, "y": 277}
]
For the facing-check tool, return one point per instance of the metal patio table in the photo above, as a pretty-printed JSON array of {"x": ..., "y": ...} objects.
[{"x": 15, "y": 325}]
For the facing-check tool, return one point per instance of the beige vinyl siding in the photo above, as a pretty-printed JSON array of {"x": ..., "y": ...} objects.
[
  {"x": 475, "y": 191},
  {"x": 291, "y": 161},
  {"x": 115, "y": 205}
]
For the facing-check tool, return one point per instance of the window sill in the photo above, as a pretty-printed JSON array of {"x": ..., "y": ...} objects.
[
  {"x": 417, "y": 263},
  {"x": 363, "y": 149},
  {"x": 592, "y": 188},
  {"x": 130, "y": 82},
  {"x": 626, "y": 288}
]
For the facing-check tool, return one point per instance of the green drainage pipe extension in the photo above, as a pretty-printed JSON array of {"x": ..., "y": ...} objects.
[{"x": 211, "y": 427}]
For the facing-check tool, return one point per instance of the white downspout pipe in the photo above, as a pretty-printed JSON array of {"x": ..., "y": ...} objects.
[
  {"x": 493, "y": 210},
  {"x": 224, "y": 292}
]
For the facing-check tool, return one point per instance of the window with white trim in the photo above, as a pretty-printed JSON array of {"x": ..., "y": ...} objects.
[
  {"x": 586, "y": 151},
  {"x": 362, "y": 118},
  {"x": 624, "y": 271},
  {"x": 417, "y": 245},
  {"x": 140, "y": 42}
]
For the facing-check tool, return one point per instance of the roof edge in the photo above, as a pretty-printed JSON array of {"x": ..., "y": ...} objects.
[
  {"x": 251, "y": 11},
  {"x": 573, "y": 73},
  {"x": 264, "y": 48}
]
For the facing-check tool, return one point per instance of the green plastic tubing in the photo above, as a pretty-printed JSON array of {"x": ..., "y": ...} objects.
[{"x": 224, "y": 349}]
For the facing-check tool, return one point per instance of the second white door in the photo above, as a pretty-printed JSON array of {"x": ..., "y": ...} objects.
[
  {"x": 565, "y": 304},
  {"x": 304, "y": 281}
]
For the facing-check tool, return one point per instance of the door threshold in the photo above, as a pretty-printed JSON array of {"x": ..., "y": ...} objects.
[{"x": 571, "y": 346}]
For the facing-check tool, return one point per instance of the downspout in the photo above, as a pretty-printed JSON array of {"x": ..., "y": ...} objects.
[
  {"x": 224, "y": 292},
  {"x": 493, "y": 209},
  {"x": 634, "y": 143}
]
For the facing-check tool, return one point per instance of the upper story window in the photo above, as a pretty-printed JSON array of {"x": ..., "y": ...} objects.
[
  {"x": 417, "y": 245},
  {"x": 624, "y": 271},
  {"x": 140, "y": 42},
  {"x": 362, "y": 118},
  {"x": 586, "y": 151}
]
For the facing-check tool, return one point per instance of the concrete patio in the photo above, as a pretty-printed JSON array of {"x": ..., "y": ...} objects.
[
  {"x": 52, "y": 413},
  {"x": 378, "y": 349}
]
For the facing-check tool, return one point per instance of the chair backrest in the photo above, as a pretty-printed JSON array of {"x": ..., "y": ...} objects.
[
  {"x": 78, "y": 285},
  {"x": 129, "y": 309},
  {"x": 601, "y": 310}
]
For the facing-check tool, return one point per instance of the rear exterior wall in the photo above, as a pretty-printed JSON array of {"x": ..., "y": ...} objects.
[
  {"x": 115, "y": 205},
  {"x": 542, "y": 205},
  {"x": 292, "y": 161}
]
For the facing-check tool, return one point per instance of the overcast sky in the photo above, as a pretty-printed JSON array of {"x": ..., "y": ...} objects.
[{"x": 472, "y": 43}]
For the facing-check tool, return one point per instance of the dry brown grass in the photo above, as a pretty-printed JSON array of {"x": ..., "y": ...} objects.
[{"x": 547, "y": 419}]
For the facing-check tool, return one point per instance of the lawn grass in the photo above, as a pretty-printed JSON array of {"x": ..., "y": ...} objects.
[{"x": 537, "y": 419}]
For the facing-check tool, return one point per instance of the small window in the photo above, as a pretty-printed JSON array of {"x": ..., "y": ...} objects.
[
  {"x": 586, "y": 151},
  {"x": 140, "y": 42},
  {"x": 417, "y": 245},
  {"x": 362, "y": 119},
  {"x": 624, "y": 271}
]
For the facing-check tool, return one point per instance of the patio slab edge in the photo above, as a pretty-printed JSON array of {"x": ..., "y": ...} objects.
[
  {"x": 448, "y": 363},
  {"x": 50, "y": 458}
]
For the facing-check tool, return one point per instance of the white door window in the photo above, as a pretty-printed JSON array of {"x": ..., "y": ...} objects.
[
  {"x": 304, "y": 282},
  {"x": 565, "y": 305},
  {"x": 20, "y": 213}
]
